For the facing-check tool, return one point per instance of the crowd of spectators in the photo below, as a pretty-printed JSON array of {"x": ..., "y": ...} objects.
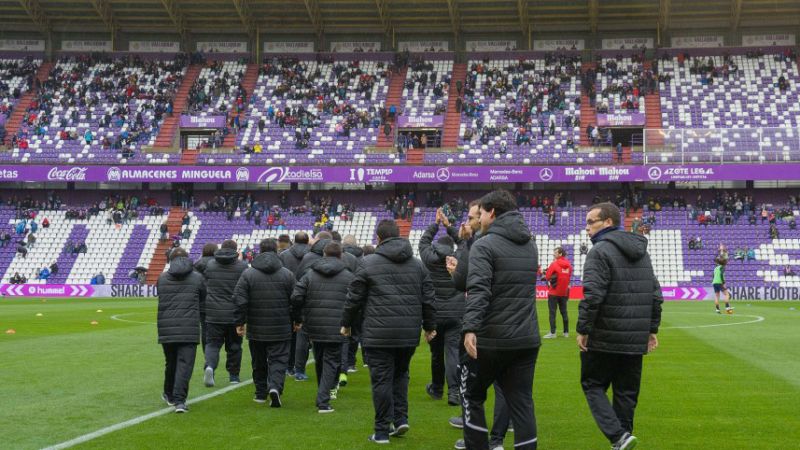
[{"x": 9, "y": 95}]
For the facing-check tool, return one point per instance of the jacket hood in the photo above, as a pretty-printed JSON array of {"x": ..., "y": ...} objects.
[
  {"x": 395, "y": 249},
  {"x": 353, "y": 250},
  {"x": 267, "y": 262},
  {"x": 328, "y": 266},
  {"x": 633, "y": 246},
  {"x": 562, "y": 261},
  {"x": 511, "y": 225},
  {"x": 180, "y": 267},
  {"x": 298, "y": 250},
  {"x": 226, "y": 256},
  {"x": 319, "y": 246}
]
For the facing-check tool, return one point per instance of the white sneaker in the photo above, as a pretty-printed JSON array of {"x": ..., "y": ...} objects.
[
  {"x": 208, "y": 377},
  {"x": 550, "y": 336},
  {"x": 565, "y": 334}
]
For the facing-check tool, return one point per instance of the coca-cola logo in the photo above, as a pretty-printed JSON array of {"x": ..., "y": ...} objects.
[{"x": 71, "y": 174}]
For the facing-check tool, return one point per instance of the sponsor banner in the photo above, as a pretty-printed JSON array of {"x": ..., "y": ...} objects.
[
  {"x": 126, "y": 290},
  {"x": 154, "y": 46},
  {"x": 47, "y": 290},
  {"x": 86, "y": 46},
  {"x": 627, "y": 43},
  {"x": 491, "y": 46},
  {"x": 289, "y": 47},
  {"x": 620, "y": 119},
  {"x": 764, "y": 293},
  {"x": 353, "y": 46},
  {"x": 420, "y": 122},
  {"x": 697, "y": 41},
  {"x": 222, "y": 47},
  {"x": 398, "y": 174},
  {"x": 767, "y": 40},
  {"x": 423, "y": 46},
  {"x": 202, "y": 121},
  {"x": 34, "y": 45},
  {"x": 556, "y": 44},
  {"x": 686, "y": 293}
]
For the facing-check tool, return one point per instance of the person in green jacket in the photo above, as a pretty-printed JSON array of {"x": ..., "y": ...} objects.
[{"x": 719, "y": 286}]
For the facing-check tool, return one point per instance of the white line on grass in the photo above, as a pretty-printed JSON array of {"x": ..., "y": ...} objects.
[
  {"x": 117, "y": 317},
  {"x": 137, "y": 420},
  {"x": 756, "y": 319}
]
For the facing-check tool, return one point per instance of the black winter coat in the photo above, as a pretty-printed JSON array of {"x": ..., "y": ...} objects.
[
  {"x": 358, "y": 252},
  {"x": 315, "y": 253},
  {"x": 293, "y": 255},
  {"x": 222, "y": 273},
  {"x": 395, "y": 294},
  {"x": 622, "y": 297},
  {"x": 501, "y": 286},
  {"x": 319, "y": 298},
  {"x": 449, "y": 301},
  {"x": 200, "y": 264},
  {"x": 181, "y": 293},
  {"x": 262, "y": 299}
]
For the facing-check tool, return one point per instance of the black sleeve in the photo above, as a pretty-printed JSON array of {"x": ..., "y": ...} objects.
[
  {"x": 462, "y": 269},
  {"x": 658, "y": 299},
  {"x": 479, "y": 286},
  {"x": 356, "y": 298},
  {"x": 428, "y": 301},
  {"x": 596, "y": 278},
  {"x": 241, "y": 295},
  {"x": 299, "y": 299},
  {"x": 426, "y": 252}
]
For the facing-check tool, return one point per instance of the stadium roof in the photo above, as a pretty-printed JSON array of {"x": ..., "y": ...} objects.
[{"x": 453, "y": 17}]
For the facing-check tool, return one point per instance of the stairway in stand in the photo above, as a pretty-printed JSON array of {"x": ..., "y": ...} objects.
[
  {"x": 15, "y": 120},
  {"x": 189, "y": 157},
  {"x": 588, "y": 112},
  {"x": 405, "y": 227},
  {"x": 452, "y": 121},
  {"x": 159, "y": 260},
  {"x": 415, "y": 156},
  {"x": 249, "y": 83},
  {"x": 652, "y": 109},
  {"x": 166, "y": 136},
  {"x": 394, "y": 97}
]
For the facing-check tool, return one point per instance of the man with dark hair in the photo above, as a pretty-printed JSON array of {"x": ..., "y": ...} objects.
[
  {"x": 557, "y": 277},
  {"x": 449, "y": 311},
  {"x": 394, "y": 294},
  {"x": 317, "y": 303},
  {"x": 501, "y": 331},
  {"x": 181, "y": 293},
  {"x": 222, "y": 273},
  {"x": 618, "y": 320},
  {"x": 262, "y": 302}
]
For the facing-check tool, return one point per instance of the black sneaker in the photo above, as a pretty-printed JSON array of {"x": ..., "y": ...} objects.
[
  {"x": 460, "y": 445},
  {"x": 453, "y": 399},
  {"x": 432, "y": 393},
  {"x": 274, "y": 398},
  {"x": 399, "y": 430},
  {"x": 325, "y": 410},
  {"x": 379, "y": 438},
  {"x": 181, "y": 408},
  {"x": 234, "y": 379},
  {"x": 166, "y": 398},
  {"x": 626, "y": 442},
  {"x": 260, "y": 399},
  {"x": 456, "y": 422}
]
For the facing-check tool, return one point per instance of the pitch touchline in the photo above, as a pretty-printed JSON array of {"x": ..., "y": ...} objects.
[{"x": 755, "y": 320}]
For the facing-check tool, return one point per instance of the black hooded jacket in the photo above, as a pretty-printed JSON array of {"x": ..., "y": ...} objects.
[
  {"x": 394, "y": 293},
  {"x": 622, "y": 297},
  {"x": 358, "y": 252},
  {"x": 293, "y": 255},
  {"x": 200, "y": 264},
  {"x": 181, "y": 293},
  {"x": 222, "y": 273},
  {"x": 262, "y": 299},
  {"x": 449, "y": 301},
  {"x": 501, "y": 286},
  {"x": 319, "y": 298},
  {"x": 315, "y": 253}
]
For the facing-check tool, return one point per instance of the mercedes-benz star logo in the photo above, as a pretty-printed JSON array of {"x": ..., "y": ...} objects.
[
  {"x": 443, "y": 174},
  {"x": 546, "y": 174}
]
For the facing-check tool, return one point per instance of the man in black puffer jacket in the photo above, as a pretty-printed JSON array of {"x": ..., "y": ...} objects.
[
  {"x": 449, "y": 311},
  {"x": 181, "y": 293},
  {"x": 262, "y": 302},
  {"x": 394, "y": 293},
  {"x": 317, "y": 303},
  {"x": 501, "y": 331},
  {"x": 291, "y": 260},
  {"x": 618, "y": 320},
  {"x": 222, "y": 274}
]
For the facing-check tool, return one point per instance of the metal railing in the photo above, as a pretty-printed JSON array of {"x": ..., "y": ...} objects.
[{"x": 721, "y": 145}]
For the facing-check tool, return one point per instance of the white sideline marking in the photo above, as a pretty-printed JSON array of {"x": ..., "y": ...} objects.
[
  {"x": 137, "y": 420},
  {"x": 756, "y": 319},
  {"x": 117, "y": 317}
]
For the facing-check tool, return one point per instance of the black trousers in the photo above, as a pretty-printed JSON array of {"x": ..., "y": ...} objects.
[
  {"x": 301, "y": 351},
  {"x": 513, "y": 372},
  {"x": 349, "y": 350},
  {"x": 216, "y": 336},
  {"x": 270, "y": 360},
  {"x": 178, "y": 370},
  {"x": 623, "y": 373},
  {"x": 388, "y": 372},
  {"x": 554, "y": 303},
  {"x": 327, "y": 363},
  {"x": 445, "y": 357},
  {"x": 292, "y": 346}
]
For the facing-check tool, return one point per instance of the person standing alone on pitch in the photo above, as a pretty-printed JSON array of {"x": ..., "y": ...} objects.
[
  {"x": 557, "y": 278},
  {"x": 618, "y": 321},
  {"x": 719, "y": 286},
  {"x": 501, "y": 331},
  {"x": 394, "y": 294},
  {"x": 222, "y": 273},
  {"x": 181, "y": 293},
  {"x": 317, "y": 303},
  {"x": 261, "y": 297}
]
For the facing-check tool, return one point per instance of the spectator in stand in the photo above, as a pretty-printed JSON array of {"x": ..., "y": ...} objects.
[
  {"x": 45, "y": 223},
  {"x": 100, "y": 279},
  {"x": 44, "y": 274},
  {"x": 31, "y": 240},
  {"x": 788, "y": 271},
  {"x": 54, "y": 268},
  {"x": 17, "y": 279}
]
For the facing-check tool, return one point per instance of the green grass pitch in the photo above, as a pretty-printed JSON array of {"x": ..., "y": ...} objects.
[{"x": 734, "y": 386}]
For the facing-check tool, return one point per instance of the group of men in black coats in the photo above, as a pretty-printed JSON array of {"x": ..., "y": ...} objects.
[{"x": 471, "y": 294}]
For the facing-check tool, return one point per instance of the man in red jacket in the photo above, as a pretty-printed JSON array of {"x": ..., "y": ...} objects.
[{"x": 557, "y": 278}]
